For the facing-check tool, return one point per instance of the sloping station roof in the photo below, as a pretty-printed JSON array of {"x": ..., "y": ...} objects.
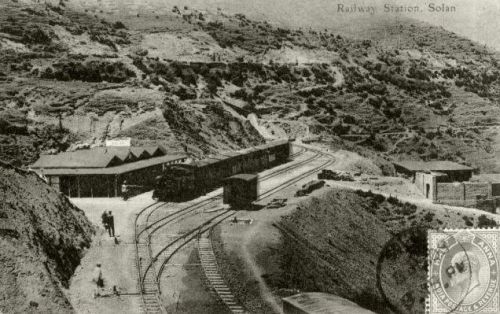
[
  {"x": 103, "y": 160},
  {"x": 324, "y": 303},
  {"x": 98, "y": 157},
  {"x": 432, "y": 166},
  {"x": 124, "y": 168}
]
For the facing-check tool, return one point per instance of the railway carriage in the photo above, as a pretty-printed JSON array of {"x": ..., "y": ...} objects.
[{"x": 183, "y": 181}]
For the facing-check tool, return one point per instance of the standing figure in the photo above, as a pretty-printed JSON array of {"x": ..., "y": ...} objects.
[
  {"x": 125, "y": 190},
  {"x": 111, "y": 223},
  {"x": 105, "y": 221},
  {"x": 98, "y": 280}
]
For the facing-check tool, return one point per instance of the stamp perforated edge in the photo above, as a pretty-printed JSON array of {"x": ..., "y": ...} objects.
[{"x": 445, "y": 230}]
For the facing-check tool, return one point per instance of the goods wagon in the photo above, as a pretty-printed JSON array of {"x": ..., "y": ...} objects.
[{"x": 241, "y": 189}]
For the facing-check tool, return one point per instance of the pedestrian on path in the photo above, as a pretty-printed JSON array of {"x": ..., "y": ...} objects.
[
  {"x": 111, "y": 224},
  {"x": 98, "y": 280},
  {"x": 105, "y": 221}
]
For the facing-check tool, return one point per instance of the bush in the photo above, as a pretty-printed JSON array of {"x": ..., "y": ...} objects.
[
  {"x": 340, "y": 129},
  {"x": 429, "y": 217},
  {"x": 119, "y": 25},
  {"x": 349, "y": 119},
  {"x": 468, "y": 221},
  {"x": 363, "y": 193},
  {"x": 92, "y": 71},
  {"x": 393, "y": 200},
  {"x": 378, "y": 198},
  {"x": 485, "y": 222}
]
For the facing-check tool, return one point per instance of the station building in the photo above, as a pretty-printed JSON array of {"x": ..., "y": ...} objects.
[{"x": 100, "y": 171}]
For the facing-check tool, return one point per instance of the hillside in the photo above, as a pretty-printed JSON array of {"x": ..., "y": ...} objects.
[
  {"x": 418, "y": 92},
  {"x": 42, "y": 238},
  {"x": 360, "y": 246}
]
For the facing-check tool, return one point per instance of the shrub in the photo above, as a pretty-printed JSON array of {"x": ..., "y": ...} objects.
[
  {"x": 119, "y": 25},
  {"x": 363, "y": 193},
  {"x": 92, "y": 71},
  {"x": 484, "y": 221},
  {"x": 393, "y": 200},
  {"x": 429, "y": 216},
  {"x": 409, "y": 209},
  {"x": 468, "y": 221},
  {"x": 378, "y": 198},
  {"x": 349, "y": 119}
]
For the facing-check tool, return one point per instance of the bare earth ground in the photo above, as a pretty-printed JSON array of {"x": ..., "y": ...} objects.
[
  {"x": 117, "y": 260},
  {"x": 182, "y": 283},
  {"x": 250, "y": 242},
  {"x": 182, "y": 286}
]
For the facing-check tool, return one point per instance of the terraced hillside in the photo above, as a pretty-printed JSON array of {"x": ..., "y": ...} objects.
[{"x": 423, "y": 93}]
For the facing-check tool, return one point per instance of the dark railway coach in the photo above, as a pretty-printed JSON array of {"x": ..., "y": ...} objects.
[
  {"x": 241, "y": 189},
  {"x": 186, "y": 181}
]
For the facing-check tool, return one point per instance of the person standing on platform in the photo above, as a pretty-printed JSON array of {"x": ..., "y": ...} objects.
[
  {"x": 105, "y": 221},
  {"x": 125, "y": 190},
  {"x": 111, "y": 223}
]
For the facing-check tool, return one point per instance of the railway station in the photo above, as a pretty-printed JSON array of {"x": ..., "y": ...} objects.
[
  {"x": 234, "y": 157},
  {"x": 100, "y": 171}
]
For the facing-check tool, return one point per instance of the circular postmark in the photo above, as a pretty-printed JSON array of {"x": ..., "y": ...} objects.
[
  {"x": 402, "y": 271},
  {"x": 463, "y": 273},
  {"x": 457, "y": 270}
]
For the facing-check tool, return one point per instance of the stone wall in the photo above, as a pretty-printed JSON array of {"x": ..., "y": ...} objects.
[
  {"x": 473, "y": 189},
  {"x": 463, "y": 193}
]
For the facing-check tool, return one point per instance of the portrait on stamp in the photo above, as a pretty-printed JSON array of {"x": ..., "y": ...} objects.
[{"x": 463, "y": 271}]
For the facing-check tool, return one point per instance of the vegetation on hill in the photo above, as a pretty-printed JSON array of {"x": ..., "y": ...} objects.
[
  {"x": 363, "y": 247},
  {"x": 432, "y": 95}
]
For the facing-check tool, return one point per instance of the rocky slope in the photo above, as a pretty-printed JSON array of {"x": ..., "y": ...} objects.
[
  {"x": 361, "y": 246},
  {"x": 421, "y": 93},
  {"x": 42, "y": 238}
]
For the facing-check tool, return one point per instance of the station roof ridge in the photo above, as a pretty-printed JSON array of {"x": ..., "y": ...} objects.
[
  {"x": 98, "y": 157},
  {"x": 436, "y": 165}
]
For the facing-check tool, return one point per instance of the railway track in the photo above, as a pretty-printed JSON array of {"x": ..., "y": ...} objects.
[
  {"x": 148, "y": 276},
  {"x": 207, "y": 257},
  {"x": 148, "y": 226},
  {"x": 213, "y": 276}
]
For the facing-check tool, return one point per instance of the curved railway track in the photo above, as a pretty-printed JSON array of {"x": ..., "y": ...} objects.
[{"x": 148, "y": 277}]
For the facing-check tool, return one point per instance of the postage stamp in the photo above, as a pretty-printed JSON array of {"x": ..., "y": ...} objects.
[{"x": 463, "y": 271}]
